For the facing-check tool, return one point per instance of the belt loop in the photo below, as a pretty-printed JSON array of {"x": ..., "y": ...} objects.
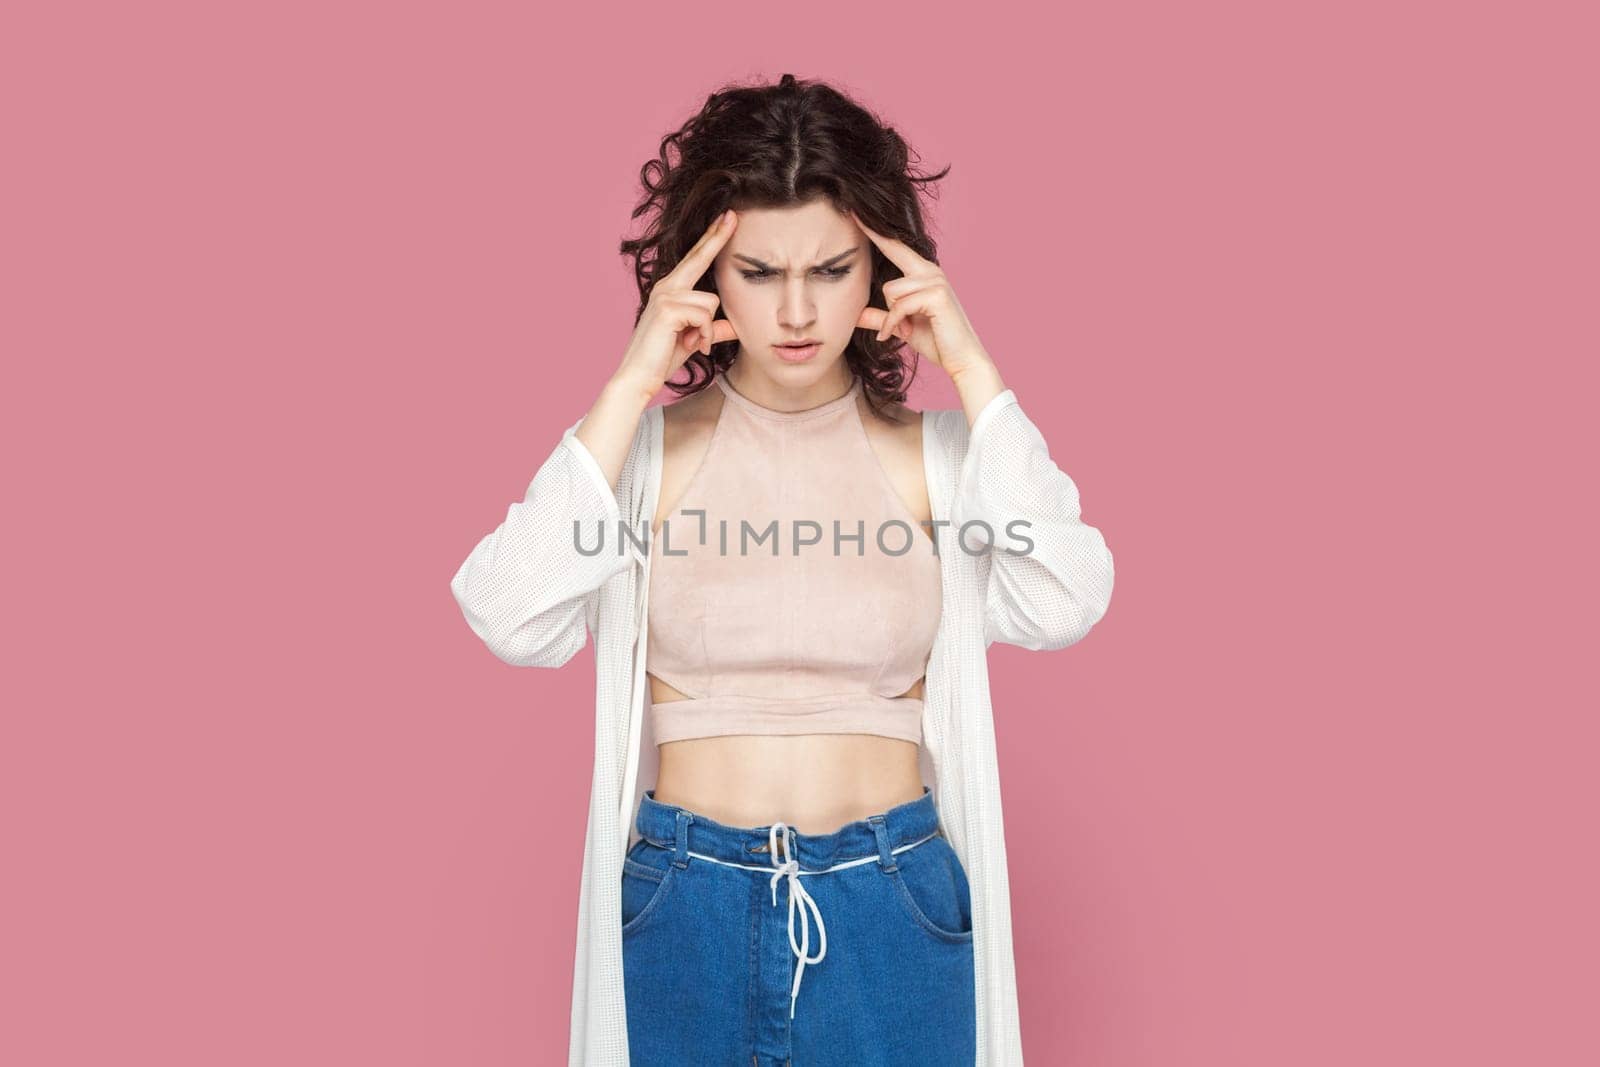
[
  {"x": 881, "y": 832},
  {"x": 680, "y": 857}
]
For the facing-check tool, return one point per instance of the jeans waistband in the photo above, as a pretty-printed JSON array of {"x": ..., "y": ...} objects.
[{"x": 902, "y": 824}]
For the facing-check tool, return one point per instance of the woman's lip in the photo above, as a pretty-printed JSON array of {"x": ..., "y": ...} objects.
[{"x": 797, "y": 353}]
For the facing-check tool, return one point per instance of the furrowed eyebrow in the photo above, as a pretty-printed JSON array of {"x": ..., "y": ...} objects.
[{"x": 820, "y": 266}]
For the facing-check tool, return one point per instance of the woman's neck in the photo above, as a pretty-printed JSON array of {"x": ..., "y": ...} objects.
[{"x": 764, "y": 391}]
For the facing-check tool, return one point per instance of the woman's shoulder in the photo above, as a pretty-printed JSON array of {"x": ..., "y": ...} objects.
[
  {"x": 948, "y": 425},
  {"x": 687, "y": 420},
  {"x": 895, "y": 421}
]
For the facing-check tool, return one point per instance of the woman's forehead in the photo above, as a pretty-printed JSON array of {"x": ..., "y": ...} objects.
[{"x": 796, "y": 235}]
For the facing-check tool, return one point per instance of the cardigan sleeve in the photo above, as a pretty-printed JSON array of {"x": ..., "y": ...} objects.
[
  {"x": 1049, "y": 595},
  {"x": 526, "y": 590}
]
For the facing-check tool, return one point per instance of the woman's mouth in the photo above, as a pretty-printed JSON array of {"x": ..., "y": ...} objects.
[{"x": 798, "y": 353}]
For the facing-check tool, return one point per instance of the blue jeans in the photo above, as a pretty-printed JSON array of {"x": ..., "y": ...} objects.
[{"x": 763, "y": 946}]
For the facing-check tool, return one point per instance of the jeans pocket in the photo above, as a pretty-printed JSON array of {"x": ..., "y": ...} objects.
[
  {"x": 647, "y": 877},
  {"x": 933, "y": 889}
]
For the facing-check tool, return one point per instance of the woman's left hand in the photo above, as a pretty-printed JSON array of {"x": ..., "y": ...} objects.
[{"x": 923, "y": 310}]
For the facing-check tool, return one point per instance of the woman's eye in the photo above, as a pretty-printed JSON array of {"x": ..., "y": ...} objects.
[{"x": 831, "y": 273}]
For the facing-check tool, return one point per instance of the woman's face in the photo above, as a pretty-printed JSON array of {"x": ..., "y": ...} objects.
[{"x": 794, "y": 273}]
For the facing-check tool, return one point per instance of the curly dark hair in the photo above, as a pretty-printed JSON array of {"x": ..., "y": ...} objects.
[{"x": 767, "y": 146}]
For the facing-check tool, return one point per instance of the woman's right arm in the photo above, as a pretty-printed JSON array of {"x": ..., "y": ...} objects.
[{"x": 525, "y": 589}]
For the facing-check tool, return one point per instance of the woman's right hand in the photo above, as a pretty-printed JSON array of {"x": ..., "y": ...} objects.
[{"x": 678, "y": 318}]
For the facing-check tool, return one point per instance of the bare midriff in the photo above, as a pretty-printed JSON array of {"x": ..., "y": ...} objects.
[{"x": 814, "y": 782}]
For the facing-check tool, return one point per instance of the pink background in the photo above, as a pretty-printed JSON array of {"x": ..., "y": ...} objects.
[{"x": 296, "y": 300}]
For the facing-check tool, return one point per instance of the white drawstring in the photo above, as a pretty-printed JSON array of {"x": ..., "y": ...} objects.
[{"x": 799, "y": 900}]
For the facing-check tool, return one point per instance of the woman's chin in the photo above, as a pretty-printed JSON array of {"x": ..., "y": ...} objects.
[{"x": 785, "y": 364}]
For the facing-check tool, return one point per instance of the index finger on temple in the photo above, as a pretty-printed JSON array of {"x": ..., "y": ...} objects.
[
  {"x": 897, "y": 251},
  {"x": 699, "y": 258}
]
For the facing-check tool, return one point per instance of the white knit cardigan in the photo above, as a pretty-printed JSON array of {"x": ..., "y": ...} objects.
[{"x": 534, "y": 599}]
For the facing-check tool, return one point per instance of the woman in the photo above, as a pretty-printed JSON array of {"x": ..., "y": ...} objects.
[{"x": 791, "y": 579}]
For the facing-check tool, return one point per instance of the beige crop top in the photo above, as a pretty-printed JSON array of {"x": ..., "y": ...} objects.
[{"x": 753, "y": 613}]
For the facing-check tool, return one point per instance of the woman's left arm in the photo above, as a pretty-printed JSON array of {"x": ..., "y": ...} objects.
[{"x": 1049, "y": 573}]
